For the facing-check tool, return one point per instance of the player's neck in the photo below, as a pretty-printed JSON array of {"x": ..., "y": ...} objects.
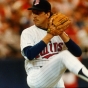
[{"x": 44, "y": 26}]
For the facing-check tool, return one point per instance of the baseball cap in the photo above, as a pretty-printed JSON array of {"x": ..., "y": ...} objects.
[{"x": 41, "y": 5}]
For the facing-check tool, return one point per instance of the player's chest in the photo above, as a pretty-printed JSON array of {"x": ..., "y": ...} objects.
[
  {"x": 56, "y": 43},
  {"x": 39, "y": 35}
]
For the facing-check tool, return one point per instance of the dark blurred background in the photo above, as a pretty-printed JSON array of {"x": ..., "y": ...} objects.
[{"x": 14, "y": 17}]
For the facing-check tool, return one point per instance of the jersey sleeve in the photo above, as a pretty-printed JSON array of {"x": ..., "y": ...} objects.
[{"x": 26, "y": 39}]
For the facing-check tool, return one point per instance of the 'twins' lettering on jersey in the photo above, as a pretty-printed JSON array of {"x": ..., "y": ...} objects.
[{"x": 51, "y": 49}]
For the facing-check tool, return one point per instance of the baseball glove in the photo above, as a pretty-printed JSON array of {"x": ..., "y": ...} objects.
[{"x": 58, "y": 23}]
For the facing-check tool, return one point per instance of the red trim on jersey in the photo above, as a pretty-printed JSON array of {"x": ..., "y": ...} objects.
[{"x": 47, "y": 56}]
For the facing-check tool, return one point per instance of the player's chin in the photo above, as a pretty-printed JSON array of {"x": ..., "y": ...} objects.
[{"x": 37, "y": 24}]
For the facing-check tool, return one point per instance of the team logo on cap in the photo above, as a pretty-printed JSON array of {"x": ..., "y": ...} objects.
[{"x": 37, "y": 2}]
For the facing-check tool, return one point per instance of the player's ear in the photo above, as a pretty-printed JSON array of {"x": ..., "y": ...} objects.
[{"x": 48, "y": 14}]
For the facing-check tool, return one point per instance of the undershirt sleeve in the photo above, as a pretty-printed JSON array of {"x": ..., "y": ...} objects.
[
  {"x": 32, "y": 51},
  {"x": 73, "y": 48}
]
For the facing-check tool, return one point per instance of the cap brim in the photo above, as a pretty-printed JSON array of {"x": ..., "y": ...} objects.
[{"x": 33, "y": 8}]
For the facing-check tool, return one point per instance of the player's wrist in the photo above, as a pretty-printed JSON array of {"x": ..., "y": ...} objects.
[
  {"x": 47, "y": 38},
  {"x": 50, "y": 35},
  {"x": 65, "y": 37}
]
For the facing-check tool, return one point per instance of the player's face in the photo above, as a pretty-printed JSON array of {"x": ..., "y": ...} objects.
[{"x": 39, "y": 18}]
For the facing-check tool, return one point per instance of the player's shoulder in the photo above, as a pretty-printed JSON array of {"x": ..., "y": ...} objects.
[{"x": 31, "y": 28}]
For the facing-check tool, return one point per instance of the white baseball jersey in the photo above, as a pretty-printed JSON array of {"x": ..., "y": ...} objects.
[
  {"x": 53, "y": 61},
  {"x": 32, "y": 36}
]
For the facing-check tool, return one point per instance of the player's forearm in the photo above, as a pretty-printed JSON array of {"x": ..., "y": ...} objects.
[
  {"x": 73, "y": 48},
  {"x": 32, "y": 51},
  {"x": 47, "y": 38},
  {"x": 71, "y": 45},
  {"x": 65, "y": 37}
]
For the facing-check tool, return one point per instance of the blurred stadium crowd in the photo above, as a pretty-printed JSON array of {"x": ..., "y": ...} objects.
[{"x": 14, "y": 17}]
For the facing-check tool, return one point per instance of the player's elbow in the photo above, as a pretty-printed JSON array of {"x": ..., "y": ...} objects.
[
  {"x": 78, "y": 53},
  {"x": 30, "y": 58},
  {"x": 28, "y": 53}
]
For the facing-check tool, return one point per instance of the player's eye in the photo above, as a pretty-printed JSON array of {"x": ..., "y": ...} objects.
[{"x": 36, "y": 12}]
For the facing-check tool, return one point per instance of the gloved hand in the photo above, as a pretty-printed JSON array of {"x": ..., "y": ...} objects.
[{"x": 58, "y": 23}]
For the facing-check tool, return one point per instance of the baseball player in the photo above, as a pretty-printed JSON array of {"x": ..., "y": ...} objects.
[{"x": 47, "y": 56}]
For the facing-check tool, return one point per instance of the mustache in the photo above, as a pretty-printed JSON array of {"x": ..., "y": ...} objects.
[{"x": 35, "y": 19}]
